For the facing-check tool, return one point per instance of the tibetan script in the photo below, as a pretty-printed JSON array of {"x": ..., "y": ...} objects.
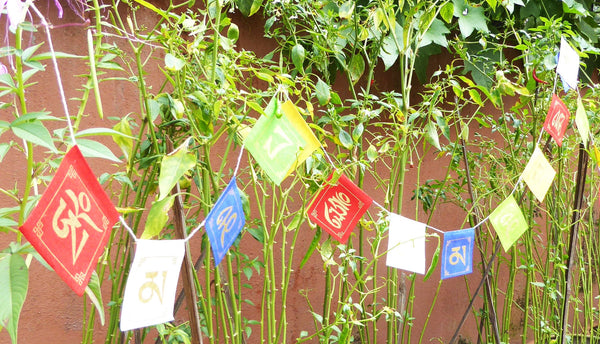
[{"x": 71, "y": 224}]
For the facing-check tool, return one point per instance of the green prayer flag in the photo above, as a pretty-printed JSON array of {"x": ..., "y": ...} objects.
[
  {"x": 280, "y": 141},
  {"x": 508, "y": 221}
]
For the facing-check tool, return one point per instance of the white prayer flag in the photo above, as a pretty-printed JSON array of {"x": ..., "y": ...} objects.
[
  {"x": 568, "y": 65},
  {"x": 406, "y": 244},
  {"x": 538, "y": 174},
  {"x": 152, "y": 283}
]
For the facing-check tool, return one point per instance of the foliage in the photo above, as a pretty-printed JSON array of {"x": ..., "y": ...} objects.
[{"x": 328, "y": 58}]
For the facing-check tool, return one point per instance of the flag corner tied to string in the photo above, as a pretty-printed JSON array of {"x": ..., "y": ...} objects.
[
  {"x": 406, "y": 244},
  {"x": 568, "y": 65},
  {"x": 151, "y": 287},
  {"x": 337, "y": 208},
  {"x": 557, "y": 119},
  {"x": 508, "y": 221},
  {"x": 71, "y": 224},
  {"x": 280, "y": 140},
  {"x": 225, "y": 221},
  {"x": 538, "y": 174},
  {"x": 457, "y": 253}
]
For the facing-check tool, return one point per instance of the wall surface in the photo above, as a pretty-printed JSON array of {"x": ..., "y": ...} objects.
[{"x": 53, "y": 313}]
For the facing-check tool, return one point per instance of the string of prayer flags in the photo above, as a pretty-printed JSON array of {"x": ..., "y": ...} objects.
[
  {"x": 406, "y": 244},
  {"x": 538, "y": 174},
  {"x": 457, "y": 253},
  {"x": 508, "y": 221},
  {"x": 568, "y": 65},
  {"x": 281, "y": 140},
  {"x": 582, "y": 122},
  {"x": 338, "y": 207},
  {"x": 225, "y": 221},
  {"x": 70, "y": 225},
  {"x": 152, "y": 283},
  {"x": 557, "y": 119}
]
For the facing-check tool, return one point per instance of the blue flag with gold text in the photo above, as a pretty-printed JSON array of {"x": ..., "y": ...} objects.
[{"x": 225, "y": 221}]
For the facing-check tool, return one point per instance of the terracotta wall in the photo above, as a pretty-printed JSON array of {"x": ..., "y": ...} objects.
[{"x": 53, "y": 313}]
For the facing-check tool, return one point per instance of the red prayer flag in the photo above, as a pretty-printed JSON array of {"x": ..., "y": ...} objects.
[
  {"x": 337, "y": 208},
  {"x": 71, "y": 224},
  {"x": 557, "y": 119}
]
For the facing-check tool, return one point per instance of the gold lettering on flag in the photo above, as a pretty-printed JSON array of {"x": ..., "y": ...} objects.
[
  {"x": 338, "y": 206},
  {"x": 152, "y": 287},
  {"x": 225, "y": 221},
  {"x": 77, "y": 211}
]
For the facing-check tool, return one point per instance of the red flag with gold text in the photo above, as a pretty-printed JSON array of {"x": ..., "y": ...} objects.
[
  {"x": 71, "y": 224},
  {"x": 337, "y": 208},
  {"x": 557, "y": 119}
]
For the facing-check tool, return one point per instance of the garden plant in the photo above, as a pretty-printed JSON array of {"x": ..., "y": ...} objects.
[{"x": 361, "y": 73}]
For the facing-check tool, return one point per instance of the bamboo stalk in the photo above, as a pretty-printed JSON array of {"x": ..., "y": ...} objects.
[{"x": 577, "y": 205}]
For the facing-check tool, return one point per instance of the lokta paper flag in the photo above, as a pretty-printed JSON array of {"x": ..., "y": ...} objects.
[
  {"x": 406, "y": 244},
  {"x": 152, "y": 283},
  {"x": 71, "y": 224},
  {"x": 568, "y": 65},
  {"x": 225, "y": 221},
  {"x": 337, "y": 208},
  {"x": 582, "y": 122},
  {"x": 281, "y": 143},
  {"x": 557, "y": 119},
  {"x": 508, "y": 221},
  {"x": 457, "y": 253},
  {"x": 538, "y": 174}
]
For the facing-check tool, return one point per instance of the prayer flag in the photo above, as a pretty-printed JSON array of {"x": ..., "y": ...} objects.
[
  {"x": 538, "y": 174},
  {"x": 508, "y": 221},
  {"x": 582, "y": 122},
  {"x": 152, "y": 283},
  {"x": 568, "y": 65},
  {"x": 71, "y": 224},
  {"x": 557, "y": 119},
  {"x": 225, "y": 221},
  {"x": 406, "y": 244},
  {"x": 281, "y": 141},
  {"x": 457, "y": 256},
  {"x": 337, "y": 208}
]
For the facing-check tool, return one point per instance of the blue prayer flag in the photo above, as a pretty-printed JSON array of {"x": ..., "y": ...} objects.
[
  {"x": 457, "y": 255},
  {"x": 225, "y": 221}
]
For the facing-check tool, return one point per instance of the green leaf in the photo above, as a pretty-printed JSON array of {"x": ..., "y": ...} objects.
[
  {"x": 323, "y": 92},
  {"x": 124, "y": 140},
  {"x": 434, "y": 260},
  {"x": 345, "y": 139},
  {"x": 14, "y": 281},
  {"x": 431, "y": 135},
  {"x": 34, "y": 132},
  {"x": 95, "y": 149},
  {"x": 356, "y": 68},
  {"x": 4, "y": 147},
  {"x": 311, "y": 248},
  {"x": 233, "y": 32},
  {"x": 248, "y": 7},
  {"x": 298, "y": 56},
  {"x": 173, "y": 167},
  {"x": 447, "y": 11},
  {"x": 173, "y": 63},
  {"x": 357, "y": 132},
  {"x": 469, "y": 18},
  {"x": 157, "y": 217},
  {"x": 436, "y": 34},
  {"x": 258, "y": 234},
  {"x": 372, "y": 153},
  {"x": 93, "y": 291},
  {"x": 346, "y": 9}
]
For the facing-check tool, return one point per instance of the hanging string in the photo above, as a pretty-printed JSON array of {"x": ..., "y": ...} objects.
[
  {"x": 237, "y": 165},
  {"x": 57, "y": 71},
  {"x": 131, "y": 233},
  {"x": 193, "y": 232}
]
